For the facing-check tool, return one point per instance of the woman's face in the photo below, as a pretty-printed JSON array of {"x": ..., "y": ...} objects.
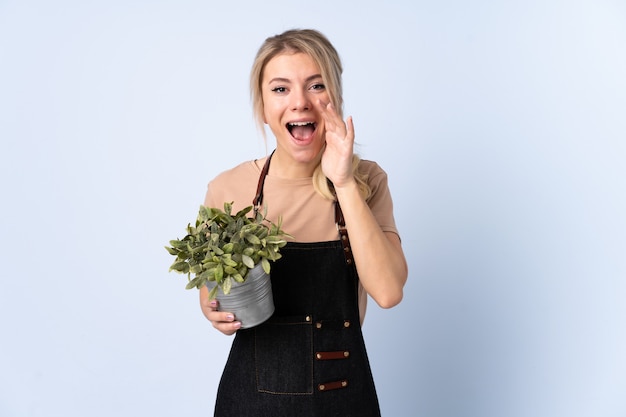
[{"x": 292, "y": 88}]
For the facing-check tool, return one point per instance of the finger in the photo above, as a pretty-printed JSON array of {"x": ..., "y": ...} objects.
[
  {"x": 225, "y": 316},
  {"x": 224, "y": 321},
  {"x": 328, "y": 112},
  {"x": 208, "y": 306},
  {"x": 332, "y": 121},
  {"x": 322, "y": 106},
  {"x": 227, "y": 328},
  {"x": 350, "y": 128}
]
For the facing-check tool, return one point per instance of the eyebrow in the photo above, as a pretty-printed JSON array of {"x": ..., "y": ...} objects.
[{"x": 287, "y": 80}]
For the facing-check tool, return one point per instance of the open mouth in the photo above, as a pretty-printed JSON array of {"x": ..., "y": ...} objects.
[{"x": 302, "y": 130}]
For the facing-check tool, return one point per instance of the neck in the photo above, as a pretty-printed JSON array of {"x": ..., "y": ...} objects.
[{"x": 284, "y": 166}]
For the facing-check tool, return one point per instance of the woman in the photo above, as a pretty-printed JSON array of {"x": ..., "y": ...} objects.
[{"x": 309, "y": 358}]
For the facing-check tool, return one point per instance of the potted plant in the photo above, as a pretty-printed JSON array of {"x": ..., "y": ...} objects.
[{"x": 231, "y": 254}]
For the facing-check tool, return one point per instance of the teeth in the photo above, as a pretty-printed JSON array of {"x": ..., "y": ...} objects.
[{"x": 300, "y": 123}]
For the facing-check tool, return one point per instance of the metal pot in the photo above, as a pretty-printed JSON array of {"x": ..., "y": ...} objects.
[{"x": 251, "y": 301}]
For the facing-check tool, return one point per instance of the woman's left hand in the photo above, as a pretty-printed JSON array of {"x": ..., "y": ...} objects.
[{"x": 337, "y": 156}]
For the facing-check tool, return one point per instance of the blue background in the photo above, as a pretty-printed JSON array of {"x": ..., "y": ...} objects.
[{"x": 502, "y": 128}]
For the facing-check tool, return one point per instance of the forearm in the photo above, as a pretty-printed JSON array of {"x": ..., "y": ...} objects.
[{"x": 378, "y": 255}]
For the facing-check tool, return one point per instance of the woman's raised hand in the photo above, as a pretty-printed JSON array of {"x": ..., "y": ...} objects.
[{"x": 337, "y": 157}]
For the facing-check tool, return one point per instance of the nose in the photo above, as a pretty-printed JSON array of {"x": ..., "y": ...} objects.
[{"x": 300, "y": 100}]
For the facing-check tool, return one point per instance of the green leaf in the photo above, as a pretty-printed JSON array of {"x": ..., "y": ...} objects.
[
  {"x": 193, "y": 283},
  {"x": 213, "y": 293},
  {"x": 200, "y": 249},
  {"x": 172, "y": 251},
  {"x": 219, "y": 273},
  {"x": 266, "y": 265},
  {"x": 238, "y": 278},
  {"x": 181, "y": 267},
  {"x": 228, "y": 248},
  {"x": 210, "y": 274},
  {"x": 243, "y": 212},
  {"x": 229, "y": 262},
  {"x": 253, "y": 239},
  {"x": 204, "y": 213},
  {"x": 275, "y": 239},
  {"x": 205, "y": 275},
  {"x": 247, "y": 261},
  {"x": 217, "y": 250},
  {"x": 229, "y": 270},
  {"x": 226, "y": 286},
  {"x": 271, "y": 253},
  {"x": 178, "y": 244}
]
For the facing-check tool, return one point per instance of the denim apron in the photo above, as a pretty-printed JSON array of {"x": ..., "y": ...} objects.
[{"x": 309, "y": 358}]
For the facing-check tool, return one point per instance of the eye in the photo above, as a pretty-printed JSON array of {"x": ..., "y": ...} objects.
[
  {"x": 279, "y": 90},
  {"x": 318, "y": 86}
]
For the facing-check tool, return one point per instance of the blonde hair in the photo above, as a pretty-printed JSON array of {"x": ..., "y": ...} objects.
[{"x": 319, "y": 48}]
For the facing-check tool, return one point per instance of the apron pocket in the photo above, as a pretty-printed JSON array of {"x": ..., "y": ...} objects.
[{"x": 284, "y": 356}]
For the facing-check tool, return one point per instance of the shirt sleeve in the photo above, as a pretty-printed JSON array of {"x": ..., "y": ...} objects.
[{"x": 380, "y": 201}]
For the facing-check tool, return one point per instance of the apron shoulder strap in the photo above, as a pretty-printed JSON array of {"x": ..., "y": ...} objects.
[
  {"x": 343, "y": 233},
  {"x": 258, "y": 198}
]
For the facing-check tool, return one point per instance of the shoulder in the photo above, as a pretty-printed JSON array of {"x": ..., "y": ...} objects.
[
  {"x": 371, "y": 168},
  {"x": 373, "y": 174},
  {"x": 237, "y": 173},
  {"x": 237, "y": 184}
]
